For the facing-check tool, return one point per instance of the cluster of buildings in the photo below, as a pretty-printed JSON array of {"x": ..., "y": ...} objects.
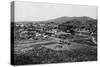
[
  {"x": 41, "y": 31},
  {"x": 35, "y": 31}
]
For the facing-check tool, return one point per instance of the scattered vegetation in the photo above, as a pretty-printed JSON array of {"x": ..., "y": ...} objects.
[{"x": 44, "y": 55}]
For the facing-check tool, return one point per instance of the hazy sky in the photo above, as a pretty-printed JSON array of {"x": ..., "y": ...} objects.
[{"x": 34, "y": 11}]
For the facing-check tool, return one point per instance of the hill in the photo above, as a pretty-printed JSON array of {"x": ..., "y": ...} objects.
[
  {"x": 65, "y": 19},
  {"x": 59, "y": 20}
]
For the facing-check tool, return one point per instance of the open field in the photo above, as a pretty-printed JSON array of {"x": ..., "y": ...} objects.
[
  {"x": 45, "y": 55},
  {"x": 53, "y": 52}
]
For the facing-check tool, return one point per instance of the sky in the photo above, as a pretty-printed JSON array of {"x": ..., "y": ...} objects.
[{"x": 37, "y": 11}]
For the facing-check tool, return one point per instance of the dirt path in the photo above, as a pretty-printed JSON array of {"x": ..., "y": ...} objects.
[{"x": 52, "y": 44}]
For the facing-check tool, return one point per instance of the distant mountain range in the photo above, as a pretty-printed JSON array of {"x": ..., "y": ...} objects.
[{"x": 60, "y": 20}]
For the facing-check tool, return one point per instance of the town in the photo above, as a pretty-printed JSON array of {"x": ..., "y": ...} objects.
[{"x": 33, "y": 31}]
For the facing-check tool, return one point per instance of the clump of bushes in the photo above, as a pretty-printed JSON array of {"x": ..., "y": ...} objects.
[{"x": 44, "y": 55}]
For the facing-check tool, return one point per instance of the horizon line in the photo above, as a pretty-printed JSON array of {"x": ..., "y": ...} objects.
[{"x": 54, "y": 18}]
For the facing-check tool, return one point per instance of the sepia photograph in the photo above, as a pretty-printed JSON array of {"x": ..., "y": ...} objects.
[{"x": 47, "y": 33}]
